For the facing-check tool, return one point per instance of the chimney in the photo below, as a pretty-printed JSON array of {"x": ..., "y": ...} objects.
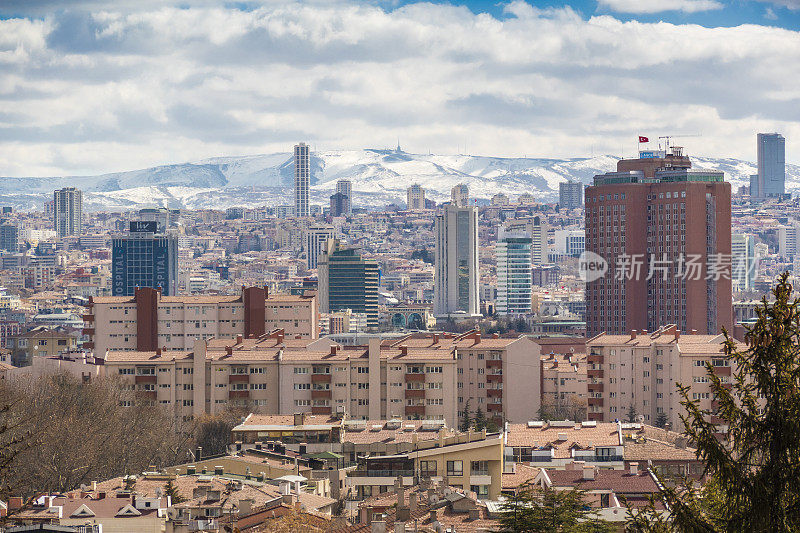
[
  {"x": 158, "y": 351},
  {"x": 94, "y": 486},
  {"x": 633, "y": 334},
  {"x": 477, "y": 337},
  {"x": 634, "y": 468},
  {"x": 299, "y": 419},
  {"x": 412, "y": 502},
  {"x": 588, "y": 472},
  {"x": 239, "y": 339},
  {"x": 229, "y": 350},
  {"x": 434, "y": 516},
  {"x": 475, "y": 514},
  {"x": 334, "y": 349},
  {"x": 403, "y": 349},
  {"x": 401, "y": 492},
  {"x": 677, "y": 334},
  {"x": 435, "y": 338},
  {"x": 199, "y": 453},
  {"x": 495, "y": 335},
  {"x": 694, "y": 332}
]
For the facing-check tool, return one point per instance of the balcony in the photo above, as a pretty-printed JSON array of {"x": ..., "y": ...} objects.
[
  {"x": 412, "y": 410},
  {"x": 494, "y": 363},
  {"x": 494, "y": 407},
  {"x": 416, "y": 377},
  {"x": 494, "y": 393},
  {"x": 203, "y": 525},
  {"x": 320, "y": 378},
  {"x": 88, "y": 318},
  {"x": 234, "y": 394},
  {"x": 415, "y": 393},
  {"x": 239, "y": 378},
  {"x": 380, "y": 473},
  {"x": 722, "y": 370},
  {"x": 594, "y": 373},
  {"x": 145, "y": 379},
  {"x": 321, "y": 410},
  {"x": 88, "y": 331},
  {"x": 595, "y": 401},
  {"x": 595, "y": 387},
  {"x": 494, "y": 378},
  {"x": 320, "y": 394},
  {"x": 594, "y": 358},
  {"x": 595, "y": 416}
]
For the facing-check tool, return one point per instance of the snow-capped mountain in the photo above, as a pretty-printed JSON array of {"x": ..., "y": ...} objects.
[{"x": 379, "y": 177}]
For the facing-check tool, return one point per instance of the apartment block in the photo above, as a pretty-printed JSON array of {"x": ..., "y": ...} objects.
[
  {"x": 643, "y": 369},
  {"x": 148, "y": 320}
]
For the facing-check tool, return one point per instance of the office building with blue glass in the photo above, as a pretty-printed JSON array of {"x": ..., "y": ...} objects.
[{"x": 144, "y": 258}]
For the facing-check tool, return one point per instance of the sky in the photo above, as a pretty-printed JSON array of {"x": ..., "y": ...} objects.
[{"x": 88, "y": 87}]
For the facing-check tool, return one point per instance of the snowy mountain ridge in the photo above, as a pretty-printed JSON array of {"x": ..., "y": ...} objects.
[{"x": 379, "y": 177}]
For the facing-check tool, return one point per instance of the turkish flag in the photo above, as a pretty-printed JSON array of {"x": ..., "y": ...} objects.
[{"x": 643, "y": 139}]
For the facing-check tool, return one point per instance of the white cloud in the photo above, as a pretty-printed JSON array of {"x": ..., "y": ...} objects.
[
  {"x": 659, "y": 6},
  {"x": 114, "y": 90}
]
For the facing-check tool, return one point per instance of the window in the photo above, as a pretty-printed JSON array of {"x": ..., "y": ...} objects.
[
  {"x": 455, "y": 468},
  {"x": 479, "y": 468},
  {"x": 301, "y": 370},
  {"x": 302, "y": 386},
  {"x": 427, "y": 468}
]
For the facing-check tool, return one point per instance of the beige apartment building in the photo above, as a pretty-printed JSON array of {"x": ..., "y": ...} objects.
[
  {"x": 644, "y": 369},
  {"x": 564, "y": 386},
  {"x": 148, "y": 321}
]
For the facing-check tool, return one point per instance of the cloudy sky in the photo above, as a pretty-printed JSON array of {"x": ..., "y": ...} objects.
[{"x": 89, "y": 87}]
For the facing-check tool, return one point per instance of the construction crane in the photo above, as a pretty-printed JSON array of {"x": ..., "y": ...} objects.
[{"x": 668, "y": 137}]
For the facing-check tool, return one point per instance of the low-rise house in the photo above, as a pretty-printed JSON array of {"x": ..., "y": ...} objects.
[{"x": 554, "y": 444}]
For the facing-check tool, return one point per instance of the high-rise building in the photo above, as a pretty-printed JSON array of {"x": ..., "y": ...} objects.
[
  {"x": 537, "y": 230},
  {"x": 743, "y": 262},
  {"x": 459, "y": 195},
  {"x": 339, "y": 205},
  {"x": 345, "y": 188},
  {"x": 347, "y": 281},
  {"x": 513, "y": 253},
  {"x": 415, "y": 198},
  {"x": 771, "y": 178},
  {"x": 570, "y": 194},
  {"x": 144, "y": 258},
  {"x": 161, "y": 215},
  {"x": 456, "y": 263},
  {"x": 302, "y": 179},
  {"x": 788, "y": 240},
  {"x": 316, "y": 237},
  {"x": 664, "y": 232},
  {"x": 9, "y": 237},
  {"x": 68, "y": 211},
  {"x": 571, "y": 242}
]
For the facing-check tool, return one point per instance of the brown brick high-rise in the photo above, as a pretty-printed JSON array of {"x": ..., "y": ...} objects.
[{"x": 659, "y": 207}]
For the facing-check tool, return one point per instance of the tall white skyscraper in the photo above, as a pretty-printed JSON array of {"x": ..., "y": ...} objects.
[
  {"x": 68, "y": 211},
  {"x": 415, "y": 198},
  {"x": 316, "y": 237},
  {"x": 513, "y": 254},
  {"x": 459, "y": 195},
  {"x": 536, "y": 229},
  {"x": 771, "y": 178},
  {"x": 302, "y": 177},
  {"x": 743, "y": 262},
  {"x": 456, "y": 279},
  {"x": 345, "y": 188}
]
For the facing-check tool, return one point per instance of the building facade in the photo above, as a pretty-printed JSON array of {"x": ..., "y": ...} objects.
[
  {"x": 68, "y": 212},
  {"x": 770, "y": 181},
  {"x": 744, "y": 267},
  {"x": 664, "y": 233},
  {"x": 456, "y": 260},
  {"x": 345, "y": 188},
  {"x": 347, "y": 281},
  {"x": 513, "y": 254},
  {"x": 9, "y": 237},
  {"x": 415, "y": 198},
  {"x": 144, "y": 259},
  {"x": 570, "y": 194},
  {"x": 459, "y": 195},
  {"x": 302, "y": 180},
  {"x": 316, "y": 238}
]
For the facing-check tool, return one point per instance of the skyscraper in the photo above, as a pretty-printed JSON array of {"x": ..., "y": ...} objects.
[
  {"x": 345, "y": 188},
  {"x": 302, "y": 177},
  {"x": 513, "y": 254},
  {"x": 316, "y": 237},
  {"x": 456, "y": 263},
  {"x": 9, "y": 237},
  {"x": 68, "y": 211},
  {"x": 570, "y": 194},
  {"x": 346, "y": 281},
  {"x": 415, "y": 198},
  {"x": 459, "y": 195},
  {"x": 536, "y": 229},
  {"x": 771, "y": 178},
  {"x": 665, "y": 233},
  {"x": 144, "y": 259},
  {"x": 743, "y": 261},
  {"x": 339, "y": 205}
]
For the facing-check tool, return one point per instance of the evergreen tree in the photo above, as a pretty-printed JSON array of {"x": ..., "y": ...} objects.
[
  {"x": 632, "y": 414},
  {"x": 754, "y": 474},
  {"x": 661, "y": 420},
  {"x": 480, "y": 420},
  {"x": 533, "y": 510},
  {"x": 129, "y": 483},
  {"x": 466, "y": 421},
  {"x": 172, "y": 491}
]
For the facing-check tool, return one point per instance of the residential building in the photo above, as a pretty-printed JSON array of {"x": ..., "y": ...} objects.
[
  {"x": 302, "y": 180},
  {"x": 770, "y": 182},
  {"x": 743, "y": 262},
  {"x": 316, "y": 239},
  {"x": 143, "y": 258},
  {"x": 456, "y": 261},
  {"x": 642, "y": 371},
  {"x": 459, "y": 195},
  {"x": 415, "y": 198},
  {"x": 339, "y": 205},
  {"x": 499, "y": 200},
  {"x": 788, "y": 240},
  {"x": 513, "y": 254},
  {"x": 570, "y": 242},
  {"x": 40, "y": 341},
  {"x": 557, "y": 443},
  {"x": 148, "y": 320},
  {"x": 570, "y": 194},
  {"x": 345, "y": 188},
  {"x": 663, "y": 232},
  {"x": 9, "y": 237},
  {"x": 536, "y": 228},
  {"x": 68, "y": 212},
  {"x": 347, "y": 281}
]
